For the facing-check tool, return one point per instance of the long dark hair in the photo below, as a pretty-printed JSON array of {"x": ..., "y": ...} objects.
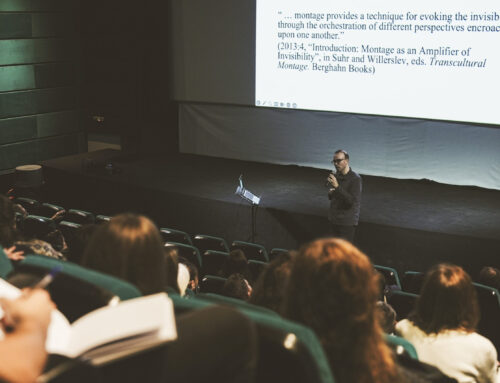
[
  {"x": 447, "y": 301},
  {"x": 8, "y": 233},
  {"x": 333, "y": 289},
  {"x": 270, "y": 286},
  {"x": 129, "y": 246}
]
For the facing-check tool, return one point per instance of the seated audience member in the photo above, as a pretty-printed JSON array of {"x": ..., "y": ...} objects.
[
  {"x": 192, "y": 287},
  {"x": 236, "y": 263},
  {"x": 130, "y": 247},
  {"x": 490, "y": 276},
  {"x": 171, "y": 257},
  {"x": 182, "y": 278},
  {"x": 14, "y": 243},
  {"x": 333, "y": 289},
  {"x": 8, "y": 231},
  {"x": 78, "y": 242},
  {"x": 386, "y": 317},
  {"x": 236, "y": 286},
  {"x": 442, "y": 327},
  {"x": 270, "y": 286},
  {"x": 22, "y": 349}
]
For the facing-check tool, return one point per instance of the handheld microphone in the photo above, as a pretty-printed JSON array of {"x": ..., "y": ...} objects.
[{"x": 327, "y": 183}]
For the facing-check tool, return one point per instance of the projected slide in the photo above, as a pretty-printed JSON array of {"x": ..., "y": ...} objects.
[{"x": 436, "y": 59}]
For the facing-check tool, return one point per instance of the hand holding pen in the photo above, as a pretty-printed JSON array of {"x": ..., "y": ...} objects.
[{"x": 32, "y": 308}]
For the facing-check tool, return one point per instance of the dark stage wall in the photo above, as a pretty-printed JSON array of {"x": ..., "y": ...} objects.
[{"x": 406, "y": 224}]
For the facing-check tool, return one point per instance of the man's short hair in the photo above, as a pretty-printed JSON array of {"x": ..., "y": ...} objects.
[{"x": 346, "y": 155}]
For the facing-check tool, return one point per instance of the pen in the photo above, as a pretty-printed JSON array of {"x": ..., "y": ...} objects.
[{"x": 47, "y": 279}]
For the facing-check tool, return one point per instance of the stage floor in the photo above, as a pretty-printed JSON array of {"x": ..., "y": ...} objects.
[{"x": 421, "y": 206}]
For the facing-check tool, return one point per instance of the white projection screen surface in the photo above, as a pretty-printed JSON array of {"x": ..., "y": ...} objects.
[{"x": 426, "y": 59}]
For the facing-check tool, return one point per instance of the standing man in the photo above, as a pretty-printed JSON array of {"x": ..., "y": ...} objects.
[{"x": 345, "y": 197}]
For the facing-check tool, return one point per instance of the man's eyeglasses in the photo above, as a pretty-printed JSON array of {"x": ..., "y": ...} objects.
[{"x": 338, "y": 161}]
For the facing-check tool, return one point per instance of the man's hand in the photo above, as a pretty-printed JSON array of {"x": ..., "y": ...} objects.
[{"x": 333, "y": 181}]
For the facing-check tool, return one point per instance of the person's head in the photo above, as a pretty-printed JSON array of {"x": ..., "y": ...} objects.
[
  {"x": 77, "y": 242},
  {"x": 333, "y": 289},
  {"x": 447, "y": 301},
  {"x": 171, "y": 256},
  {"x": 236, "y": 263},
  {"x": 490, "y": 276},
  {"x": 236, "y": 286},
  {"x": 386, "y": 317},
  {"x": 270, "y": 285},
  {"x": 129, "y": 246},
  {"x": 341, "y": 161}
]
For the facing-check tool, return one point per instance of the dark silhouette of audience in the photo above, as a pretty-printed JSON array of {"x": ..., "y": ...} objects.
[
  {"x": 236, "y": 286},
  {"x": 490, "y": 276},
  {"x": 270, "y": 286},
  {"x": 386, "y": 317},
  {"x": 236, "y": 263},
  {"x": 78, "y": 241}
]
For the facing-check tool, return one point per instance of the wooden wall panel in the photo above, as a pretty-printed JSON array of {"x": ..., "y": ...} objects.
[
  {"x": 38, "y": 126},
  {"x": 15, "y": 104},
  {"x": 40, "y": 52},
  {"x": 37, "y": 5},
  {"x": 22, "y": 77},
  {"x": 17, "y": 129},
  {"x": 31, "y": 51}
]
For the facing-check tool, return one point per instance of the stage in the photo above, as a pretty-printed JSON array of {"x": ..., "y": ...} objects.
[{"x": 407, "y": 224}]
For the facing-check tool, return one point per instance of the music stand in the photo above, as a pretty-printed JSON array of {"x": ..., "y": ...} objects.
[{"x": 248, "y": 196}]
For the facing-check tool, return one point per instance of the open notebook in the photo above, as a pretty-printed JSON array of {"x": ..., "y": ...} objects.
[{"x": 110, "y": 332}]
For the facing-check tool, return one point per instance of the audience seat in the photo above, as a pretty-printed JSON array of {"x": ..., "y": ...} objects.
[
  {"x": 412, "y": 281},
  {"x": 29, "y": 204},
  {"x": 390, "y": 274},
  {"x": 5, "y": 264},
  {"x": 48, "y": 210},
  {"x": 212, "y": 262},
  {"x": 256, "y": 267},
  {"x": 251, "y": 250},
  {"x": 288, "y": 351},
  {"x": 234, "y": 302},
  {"x": 75, "y": 290},
  {"x": 122, "y": 289},
  {"x": 171, "y": 235},
  {"x": 276, "y": 252},
  {"x": 402, "y": 302},
  {"x": 207, "y": 242},
  {"x": 102, "y": 218},
  {"x": 191, "y": 253},
  {"x": 35, "y": 226},
  {"x": 401, "y": 346},
  {"x": 212, "y": 284},
  {"x": 79, "y": 216},
  {"x": 489, "y": 304},
  {"x": 19, "y": 220},
  {"x": 68, "y": 229}
]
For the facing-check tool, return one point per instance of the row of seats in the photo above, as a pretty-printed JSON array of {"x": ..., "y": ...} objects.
[{"x": 206, "y": 252}]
